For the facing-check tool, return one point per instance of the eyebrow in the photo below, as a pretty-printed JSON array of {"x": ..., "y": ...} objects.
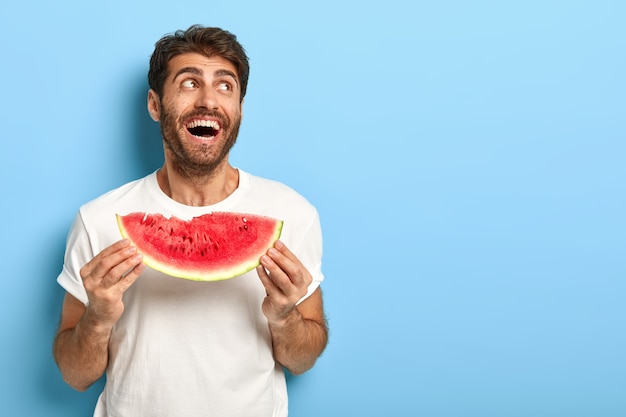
[
  {"x": 190, "y": 70},
  {"x": 227, "y": 73},
  {"x": 197, "y": 71}
]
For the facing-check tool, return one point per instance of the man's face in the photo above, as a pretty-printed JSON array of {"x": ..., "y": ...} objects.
[{"x": 199, "y": 111}]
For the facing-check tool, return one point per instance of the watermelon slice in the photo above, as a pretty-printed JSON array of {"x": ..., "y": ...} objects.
[{"x": 211, "y": 247}]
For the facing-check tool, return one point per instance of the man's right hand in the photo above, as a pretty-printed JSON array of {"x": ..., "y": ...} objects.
[
  {"x": 107, "y": 276},
  {"x": 81, "y": 344}
]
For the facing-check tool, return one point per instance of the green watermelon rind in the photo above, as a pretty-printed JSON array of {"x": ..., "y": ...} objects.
[{"x": 251, "y": 263}]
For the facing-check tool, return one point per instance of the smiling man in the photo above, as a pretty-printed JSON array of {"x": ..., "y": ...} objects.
[
  {"x": 200, "y": 114},
  {"x": 178, "y": 348}
]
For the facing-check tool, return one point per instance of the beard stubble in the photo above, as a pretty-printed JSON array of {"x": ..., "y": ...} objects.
[{"x": 200, "y": 161}]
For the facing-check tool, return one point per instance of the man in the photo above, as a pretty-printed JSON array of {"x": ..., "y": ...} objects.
[{"x": 177, "y": 348}]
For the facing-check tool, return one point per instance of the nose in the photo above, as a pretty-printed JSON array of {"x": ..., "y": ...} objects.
[{"x": 207, "y": 98}]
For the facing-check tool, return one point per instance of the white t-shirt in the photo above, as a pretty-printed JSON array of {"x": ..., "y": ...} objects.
[{"x": 185, "y": 348}]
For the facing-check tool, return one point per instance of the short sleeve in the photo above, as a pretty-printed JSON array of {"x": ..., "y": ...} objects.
[
  {"x": 78, "y": 252},
  {"x": 310, "y": 253}
]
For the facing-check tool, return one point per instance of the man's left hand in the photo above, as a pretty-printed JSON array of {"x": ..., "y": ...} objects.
[{"x": 285, "y": 280}]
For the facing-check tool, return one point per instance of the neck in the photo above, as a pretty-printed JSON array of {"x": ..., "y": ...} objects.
[{"x": 199, "y": 190}]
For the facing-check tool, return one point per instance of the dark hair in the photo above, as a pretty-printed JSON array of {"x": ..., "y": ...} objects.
[{"x": 208, "y": 41}]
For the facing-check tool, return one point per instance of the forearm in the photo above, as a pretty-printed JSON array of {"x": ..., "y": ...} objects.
[
  {"x": 81, "y": 352},
  {"x": 298, "y": 342}
]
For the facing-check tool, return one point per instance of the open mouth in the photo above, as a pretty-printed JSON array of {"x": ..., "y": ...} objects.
[{"x": 203, "y": 129}]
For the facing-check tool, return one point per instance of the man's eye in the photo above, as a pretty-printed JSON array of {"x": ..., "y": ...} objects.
[
  {"x": 188, "y": 84},
  {"x": 224, "y": 86}
]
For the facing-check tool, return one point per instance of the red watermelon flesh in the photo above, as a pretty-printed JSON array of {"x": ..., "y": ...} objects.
[{"x": 211, "y": 247}]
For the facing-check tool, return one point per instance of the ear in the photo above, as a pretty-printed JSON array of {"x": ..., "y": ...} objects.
[{"x": 154, "y": 105}]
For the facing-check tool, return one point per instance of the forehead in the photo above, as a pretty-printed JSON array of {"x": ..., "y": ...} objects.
[{"x": 200, "y": 64}]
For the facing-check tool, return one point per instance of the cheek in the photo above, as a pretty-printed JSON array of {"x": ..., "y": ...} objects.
[
  {"x": 234, "y": 111},
  {"x": 172, "y": 110},
  {"x": 178, "y": 102}
]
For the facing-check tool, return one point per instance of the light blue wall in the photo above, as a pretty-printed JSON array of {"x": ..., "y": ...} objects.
[{"x": 467, "y": 159}]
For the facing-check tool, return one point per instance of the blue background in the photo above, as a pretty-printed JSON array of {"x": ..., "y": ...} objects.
[{"x": 467, "y": 160}]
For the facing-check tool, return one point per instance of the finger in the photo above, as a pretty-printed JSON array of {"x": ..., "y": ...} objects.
[
  {"x": 276, "y": 273},
  {"x": 282, "y": 248},
  {"x": 279, "y": 283},
  {"x": 289, "y": 264},
  {"x": 270, "y": 287},
  {"x": 107, "y": 270},
  {"x": 123, "y": 271},
  {"x": 110, "y": 269},
  {"x": 131, "y": 276},
  {"x": 106, "y": 252}
]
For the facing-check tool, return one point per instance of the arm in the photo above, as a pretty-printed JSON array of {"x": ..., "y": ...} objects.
[
  {"x": 81, "y": 344},
  {"x": 80, "y": 347},
  {"x": 299, "y": 332}
]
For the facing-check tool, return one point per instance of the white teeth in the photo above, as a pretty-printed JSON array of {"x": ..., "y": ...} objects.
[{"x": 203, "y": 123}]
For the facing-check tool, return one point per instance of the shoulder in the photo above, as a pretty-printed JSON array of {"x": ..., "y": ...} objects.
[
  {"x": 276, "y": 199},
  {"x": 278, "y": 191},
  {"x": 99, "y": 214},
  {"x": 113, "y": 198}
]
